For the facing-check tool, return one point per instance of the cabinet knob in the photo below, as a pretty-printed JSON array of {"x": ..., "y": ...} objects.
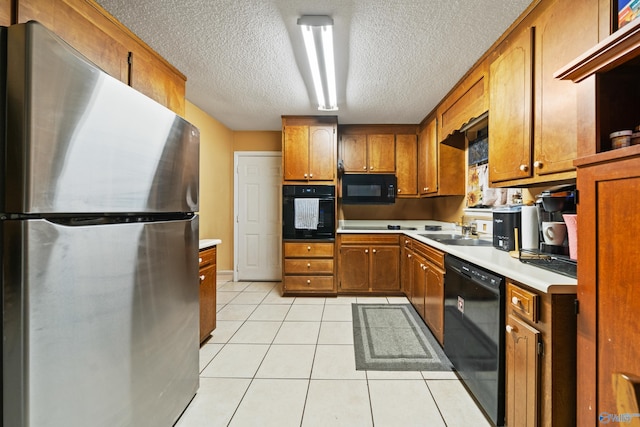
[
  {"x": 305, "y": 175},
  {"x": 406, "y": 242},
  {"x": 199, "y": 260},
  {"x": 537, "y": 164},
  {"x": 371, "y": 168},
  {"x": 424, "y": 267},
  {"x": 308, "y": 282},
  {"x": 366, "y": 251},
  {"x": 425, "y": 188},
  {"x": 374, "y": 251},
  {"x": 202, "y": 278},
  {"x": 308, "y": 248},
  {"x": 408, "y": 255},
  {"x": 364, "y": 168},
  {"x": 310, "y": 175},
  {"x": 524, "y": 168},
  {"x": 515, "y": 301},
  {"x": 510, "y": 329},
  {"x": 399, "y": 190},
  {"x": 308, "y": 265}
]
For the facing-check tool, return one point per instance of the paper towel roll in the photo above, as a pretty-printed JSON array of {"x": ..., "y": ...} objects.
[{"x": 529, "y": 224}]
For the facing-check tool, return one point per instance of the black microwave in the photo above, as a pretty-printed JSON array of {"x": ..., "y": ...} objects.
[{"x": 371, "y": 188}]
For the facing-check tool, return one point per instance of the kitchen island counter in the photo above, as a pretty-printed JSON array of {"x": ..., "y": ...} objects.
[{"x": 488, "y": 257}]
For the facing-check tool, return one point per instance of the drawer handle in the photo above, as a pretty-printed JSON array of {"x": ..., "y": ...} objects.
[
  {"x": 406, "y": 242},
  {"x": 511, "y": 329},
  {"x": 202, "y": 278},
  {"x": 408, "y": 255},
  {"x": 308, "y": 265},
  {"x": 199, "y": 260},
  {"x": 515, "y": 301},
  {"x": 308, "y": 248},
  {"x": 308, "y": 282}
]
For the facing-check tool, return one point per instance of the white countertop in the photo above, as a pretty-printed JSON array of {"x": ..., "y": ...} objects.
[
  {"x": 207, "y": 243},
  {"x": 488, "y": 257}
]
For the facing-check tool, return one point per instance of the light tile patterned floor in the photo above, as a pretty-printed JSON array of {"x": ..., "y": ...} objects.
[{"x": 275, "y": 361}]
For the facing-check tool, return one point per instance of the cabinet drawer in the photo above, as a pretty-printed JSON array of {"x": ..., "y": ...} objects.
[
  {"x": 523, "y": 302},
  {"x": 371, "y": 239},
  {"x": 206, "y": 257},
  {"x": 308, "y": 283},
  {"x": 308, "y": 250},
  {"x": 308, "y": 266},
  {"x": 435, "y": 256},
  {"x": 407, "y": 242}
]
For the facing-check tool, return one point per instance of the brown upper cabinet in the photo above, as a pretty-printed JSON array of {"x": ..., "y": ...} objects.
[
  {"x": 533, "y": 118},
  {"x": 102, "y": 39},
  {"x": 467, "y": 101},
  {"x": 407, "y": 165},
  {"x": 5, "y": 12},
  {"x": 309, "y": 151},
  {"x": 370, "y": 148},
  {"x": 441, "y": 165}
]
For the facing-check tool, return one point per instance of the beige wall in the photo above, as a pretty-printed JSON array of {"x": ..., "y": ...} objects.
[
  {"x": 216, "y": 182},
  {"x": 257, "y": 141},
  {"x": 217, "y": 145}
]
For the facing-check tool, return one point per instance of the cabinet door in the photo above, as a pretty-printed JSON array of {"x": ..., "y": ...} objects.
[
  {"x": 153, "y": 78},
  {"x": 608, "y": 286},
  {"x": 434, "y": 301},
  {"x": 86, "y": 29},
  {"x": 419, "y": 284},
  {"x": 322, "y": 155},
  {"x": 563, "y": 32},
  {"x": 381, "y": 153},
  {"x": 385, "y": 268},
  {"x": 354, "y": 153},
  {"x": 207, "y": 301},
  {"x": 406, "y": 271},
  {"x": 354, "y": 268},
  {"x": 510, "y": 110},
  {"x": 522, "y": 373},
  {"x": 295, "y": 152},
  {"x": 407, "y": 165},
  {"x": 5, "y": 12},
  {"x": 428, "y": 159}
]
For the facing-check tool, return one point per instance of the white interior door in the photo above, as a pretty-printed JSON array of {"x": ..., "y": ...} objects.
[{"x": 258, "y": 206}]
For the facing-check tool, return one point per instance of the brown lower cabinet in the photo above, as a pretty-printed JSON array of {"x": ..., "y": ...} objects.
[
  {"x": 423, "y": 283},
  {"x": 369, "y": 263},
  {"x": 540, "y": 362},
  {"x": 207, "y": 258},
  {"x": 308, "y": 268}
]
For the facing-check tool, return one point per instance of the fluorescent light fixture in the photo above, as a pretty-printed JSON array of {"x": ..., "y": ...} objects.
[{"x": 317, "y": 33}]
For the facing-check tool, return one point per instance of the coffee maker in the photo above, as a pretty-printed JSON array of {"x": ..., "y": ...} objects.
[{"x": 552, "y": 204}]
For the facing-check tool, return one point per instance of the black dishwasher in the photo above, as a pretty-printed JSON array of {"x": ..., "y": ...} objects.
[{"x": 474, "y": 332}]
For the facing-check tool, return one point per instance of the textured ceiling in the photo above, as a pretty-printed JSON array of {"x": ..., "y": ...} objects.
[{"x": 245, "y": 65}]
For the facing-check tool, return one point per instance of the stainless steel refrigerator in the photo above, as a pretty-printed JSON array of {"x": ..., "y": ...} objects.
[{"x": 99, "y": 244}]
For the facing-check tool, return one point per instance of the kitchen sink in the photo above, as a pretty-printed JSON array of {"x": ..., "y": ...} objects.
[{"x": 457, "y": 240}]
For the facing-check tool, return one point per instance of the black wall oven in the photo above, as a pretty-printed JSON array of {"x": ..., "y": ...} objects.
[{"x": 308, "y": 212}]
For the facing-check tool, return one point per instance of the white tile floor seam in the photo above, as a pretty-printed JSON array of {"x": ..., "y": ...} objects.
[{"x": 276, "y": 361}]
